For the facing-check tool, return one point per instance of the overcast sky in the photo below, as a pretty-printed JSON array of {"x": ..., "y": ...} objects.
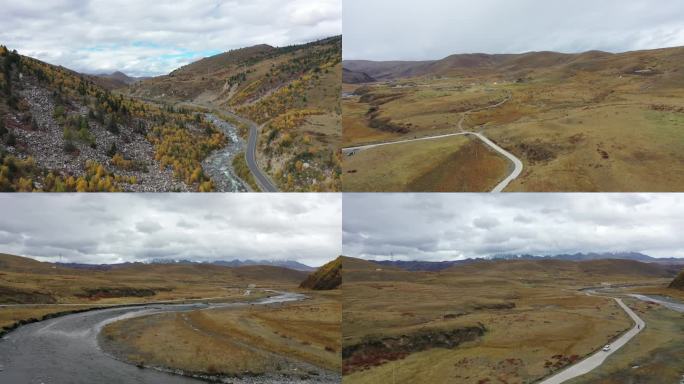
[
  {"x": 114, "y": 228},
  {"x": 145, "y": 38},
  {"x": 434, "y": 29},
  {"x": 436, "y": 227}
]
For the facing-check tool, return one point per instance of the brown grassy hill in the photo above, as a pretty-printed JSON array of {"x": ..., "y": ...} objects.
[
  {"x": 355, "y": 264},
  {"x": 269, "y": 273},
  {"x": 563, "y": 269},
  {"x": 11, "y": 263},
  {"x": 357, "y": 270},
  {"x": 678, "y": 282},
  {"x": 114, "y": 80},
  {"x": 23, "y": 280},
  {"x": 662, "y": 62},
  {"x": 353, "y": 77},
  {"x": 624, "y": 267},
  {"x": 327, "y": 277},
  {"x": 238, "y": 77},
  {"x": 223, "y": 61},
  {"x": 383, "y": 70}
]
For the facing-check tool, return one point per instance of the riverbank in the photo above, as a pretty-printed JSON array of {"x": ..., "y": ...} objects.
[
  {"x": 219, "y": 165},
  {"x": 281, "y": 342}
]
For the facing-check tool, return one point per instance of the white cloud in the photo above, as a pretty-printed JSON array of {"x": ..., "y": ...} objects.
[
  {"x": 144, "y": 38},
  {"x": 148, "y": 226},
  {"x": 433, "y": 29},
  {"x": 456, "y": 226},
  {"x": 111, "y": 228}
]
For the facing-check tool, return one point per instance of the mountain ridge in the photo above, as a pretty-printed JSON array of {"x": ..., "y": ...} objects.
[
  {"x": 590, "y": 256},
  {"x": 520, "y": 64},
  {"x": 234, "y": 263}
]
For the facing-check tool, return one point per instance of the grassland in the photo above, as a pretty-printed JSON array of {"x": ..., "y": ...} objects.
[
  {"x": 290, "y": 340},
  {"x": 43, "y": 288},
  {"x": 534, "y": 319},
  {"x": 590, "y": 124},
  {"x": 356, "y": 128},
  {"x": 457, "y": 163}
]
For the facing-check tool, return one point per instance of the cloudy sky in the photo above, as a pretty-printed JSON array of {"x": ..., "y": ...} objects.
[
  {"x": 145, "y": 38},
  {"x": 437, "y": 227},
  {"x": 108, "y": 228},
  {"x": 433, "y": 29}
]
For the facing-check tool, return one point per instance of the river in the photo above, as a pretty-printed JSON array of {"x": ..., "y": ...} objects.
[
  {"x": 219, "y": 165},
  {"x": 666, "y": 302},
  {"x": 66, "y": 349}
]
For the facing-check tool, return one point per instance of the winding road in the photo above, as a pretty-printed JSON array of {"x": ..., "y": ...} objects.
[
  {"x": 264, "y": 182},
  {"x": 594, "y": 361},
  {"x": 66, "y": 350},
  {"x": 517, "y": 163}
]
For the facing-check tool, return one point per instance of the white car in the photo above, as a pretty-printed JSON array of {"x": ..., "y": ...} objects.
[{"x": 606, "y": 348}]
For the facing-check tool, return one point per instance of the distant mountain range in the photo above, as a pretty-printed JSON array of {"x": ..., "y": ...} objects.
[
  {"x": 290, "y": 264},
  {"x": 115, "y": 80},
  {"x": 589, "y": 256},
  {"x": 519, "y": 66},
  {"x": 122, "y": 77},
  {"x": 441, "y": 265}
]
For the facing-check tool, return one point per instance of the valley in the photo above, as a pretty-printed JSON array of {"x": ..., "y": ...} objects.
[
  {"x": 284, "y": 101},
  {"x": 586, "y": 122},
  {"x": 259, "y": 118},
  {"x": 169, "y": 322},
  {"x": 512, "y": 321}
]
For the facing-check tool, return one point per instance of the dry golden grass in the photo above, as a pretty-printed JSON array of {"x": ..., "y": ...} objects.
[
  {"x": 534, "y": 314},
  {"x": 280, "y": 339},
  {"x": 585, "y": 131},
  {"x": 355, "y": 125},
  {"x": 453, "y": 164},
  {"x": 25, "y": 281}
]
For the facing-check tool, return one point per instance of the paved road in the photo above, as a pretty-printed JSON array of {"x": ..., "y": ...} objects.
[
  {"x": 65, "y": 350},
  {"x": 264, "y": 182},
  {"x": 517, "y": 163},
  {"x": 594, "y": 361}
]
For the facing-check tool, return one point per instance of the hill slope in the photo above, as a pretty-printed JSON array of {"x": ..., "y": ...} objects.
[
  {"x": 327, "y": 277},
  {"x": 114, "y": 80},
  {"x": 353, "y": 77},
  {"x": 609, "y": 268},
  {"x": 60, "y": 131},
  {"x": 662, "y": 62},
  {"x": 678, "y": 282},
  {"x": 28, "y": 281}
]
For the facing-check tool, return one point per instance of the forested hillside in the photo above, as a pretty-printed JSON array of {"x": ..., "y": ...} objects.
[
  {"x": 292, "y": 93},
  {"x": 59, "y": 131}
]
